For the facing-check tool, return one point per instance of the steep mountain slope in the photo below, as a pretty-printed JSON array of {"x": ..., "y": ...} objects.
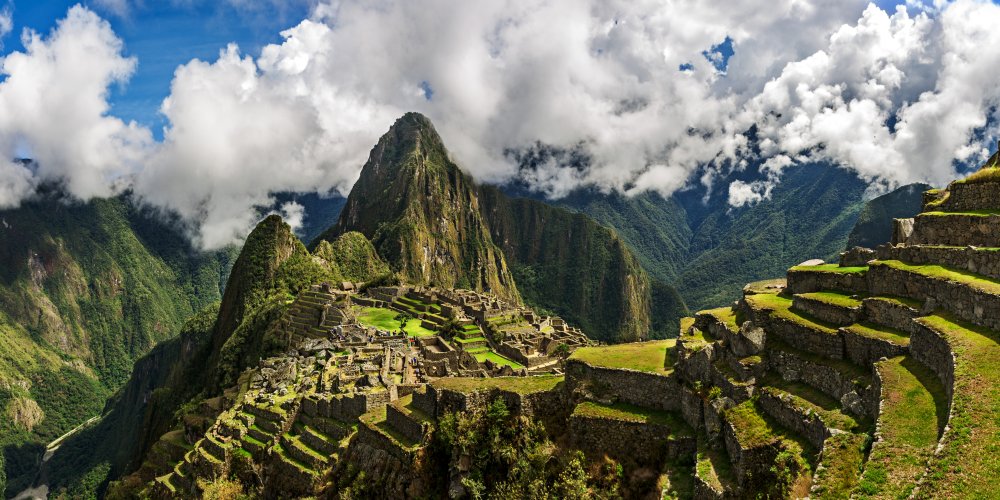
[
  {"x": 185, "y": 377},
  {"x": 809, "y": 216},
  {"x": 434, "y": 224},
  {"x": 874, "y": 226},
  {"x": 422, "y": 214},
  {"x": 85, "y": 289}
]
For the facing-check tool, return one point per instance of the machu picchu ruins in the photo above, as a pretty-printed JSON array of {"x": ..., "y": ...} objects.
[{"x": 873, "y": 377}]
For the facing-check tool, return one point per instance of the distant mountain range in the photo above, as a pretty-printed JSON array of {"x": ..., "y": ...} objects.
[{"x": 87, "y": 289}]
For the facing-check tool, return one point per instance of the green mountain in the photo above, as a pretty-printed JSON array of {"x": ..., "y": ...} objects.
[
  {"x": 422, "y": 214},
  {"x": 433, "y": 224},
  {"x": 184, "y": 378},
  {"x": 85, "y": 290},
  {"x": 708, "y": 250},
  {"x": 874, "y": 226}
]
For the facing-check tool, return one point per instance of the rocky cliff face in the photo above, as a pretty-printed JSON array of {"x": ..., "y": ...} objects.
[{"x": 422, "y": 213}]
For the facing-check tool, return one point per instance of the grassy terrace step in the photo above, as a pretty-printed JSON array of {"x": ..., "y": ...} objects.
[
  {"x": 878, "y": 332},
  {"x": 714, "y": 469},
  {"x": 630, "y": 413},
  {"x": 902, "y": 301},
  {"x": 652, "y": 356},
  {"x": 914, "y": 408},
  {"x": 482, "y": 356},
  {"x": 754, "y": 429},
  {"x": 968, "y": 462},
  {"x": 301, "y": 466},
  {"x": 405, "y": 405},
  {"x": 520, "y": 385},
  {"x": 469, "y": 340},
  {"x": 830, "y": 268},
  {"x": 780, "y": 306},
  {"x": 724, "y": 315},
  {"x": 972, "y": 280},
  {"x": 809, "y": 399},
  {"x": 833, "y": 298},
  {"x": 847, "y": 368},
  {"x": 301, "y": 446},
  {"x": 841, "y": 459},
  {"x": 376, "y": 421}
]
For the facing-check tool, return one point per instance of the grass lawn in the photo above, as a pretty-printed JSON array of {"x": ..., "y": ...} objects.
[
  {"x": 973, "y": 280},
  {"x": 985, "y": 174},
  {"x": 725, "y": 315},
  {"x": 630, "y": 413},
  {"x": 971, "y": 213},
  {"x": 968, "y": 464},
  {"x": 913, "y": 406},
  {"x": 780, "y": 306},
  {"x": 643, "y": 356},
  {"x": 520, "y": 385},
  {"x": 831, "y": 268},
  {"x": 385, "y": 319},
  {"x": 833, "y": 298},
  {"x": 498, "y": 359},
  {"x": 879, "y": 332}
]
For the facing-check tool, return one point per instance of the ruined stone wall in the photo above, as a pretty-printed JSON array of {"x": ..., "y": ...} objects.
[
  {"x": 932, "y": 350},
  {"x": 829, "y": 345},
  {"x": 827, "y": 312},
  {"x": 890, "y": 313},
  {"x": 865, "y": 351},
  {"x": 976, "y": 260},
  {"x": 643, "y": 443},
  {"x": 404, "y": 424},
  {"x": 978, "y": 307},
  {"x": 809, "y": 426},
  {"x": 426, "y": 401},
  {"x": 956, "y": 230},
  {"x": 831, "y": 381},
  {"x": 649, "y": 390},
  {"x": 813, "y": 281},
  {"x": 964, "y": 197}
]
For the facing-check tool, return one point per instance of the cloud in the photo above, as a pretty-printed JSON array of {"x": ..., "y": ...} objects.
[
  {"x": 53, "y": 102},
  {"x": 6, "y": 22},
  {"x": 895, "y": 96},
  {"x": 120, "y": 8}
]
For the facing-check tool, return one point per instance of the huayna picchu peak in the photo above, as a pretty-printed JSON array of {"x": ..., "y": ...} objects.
[{"x": 420, "y": 350}]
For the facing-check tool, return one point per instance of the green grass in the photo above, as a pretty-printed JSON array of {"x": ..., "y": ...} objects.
[
  {"x": 752, "y": 429},
  {"x": 652, "y": 357},
  {"x": 985, "y": 174},
  {"x": 726, "y": 315},
  {"x": 843, "y": 455},
  {"x": 714, "y": 468},
  {"x": 902, "y": 301},
  {"x": 879, "y": 332},
  {"x": 636, "y": 414},
  {"x": 497, "y": 359},
  {"x": 831, "y": 268},
  {"x": 913, "y": 410},
  {"x": 971, "y": 213},
  {"x": 812, "y": 400},
  {"x": 520, "y": 385},
  {"x": 385, "y": 319},
  {"x": 972, "y": 280},
  {"x": 780, "y": 306},
  {"x": 968, "y": 465},
  {"x": 833, "y": 298}
]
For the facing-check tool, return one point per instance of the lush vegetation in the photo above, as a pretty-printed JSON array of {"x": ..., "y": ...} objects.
[
  {"x": 967, "y": 278},
  {"x": 874, "y": 226},
  {"x": 652, "y": 356},
  {"x": 512, "y": 457},
  {"x": 967, "y": 464},
  {"x": 914, "y": 409},
  {"x": 85, "y": 290},
  {"x": 520, "y": 385}
]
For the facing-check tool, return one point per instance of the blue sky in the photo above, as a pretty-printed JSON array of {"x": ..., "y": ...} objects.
[{"x": 163, "y": 35}]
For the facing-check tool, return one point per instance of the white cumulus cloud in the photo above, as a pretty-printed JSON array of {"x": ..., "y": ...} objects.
[{"x": 895, "y": 96}]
